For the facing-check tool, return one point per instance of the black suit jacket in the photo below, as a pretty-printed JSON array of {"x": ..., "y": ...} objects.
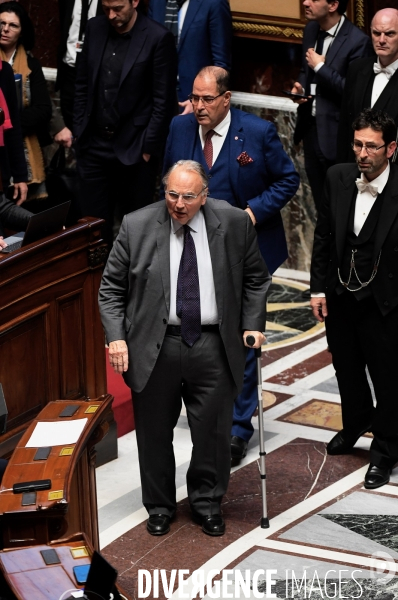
[
  {"x": 146, "y": 97},
  {"x": 350, "y": 43},
  {"x": 134, "y": 295},
  {"x": 331, "y": 232},
  {"x": 360, "y": 78}
]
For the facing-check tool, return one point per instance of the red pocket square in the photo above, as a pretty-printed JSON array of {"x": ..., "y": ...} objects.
[{"x": 244, "y": 159}]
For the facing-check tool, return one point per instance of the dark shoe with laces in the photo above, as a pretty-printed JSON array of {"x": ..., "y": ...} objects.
[
  {"x": 158, "y": 524},
  {"x": 376, "y": 477}
]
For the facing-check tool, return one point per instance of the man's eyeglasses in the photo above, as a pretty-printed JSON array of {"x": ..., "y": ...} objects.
[
  {"x": 186, "y": 198},
  {"x": 370, "y": 149},
  {"x": 205, "y": 99}
]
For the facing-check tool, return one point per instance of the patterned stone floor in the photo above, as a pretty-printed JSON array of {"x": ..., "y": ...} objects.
[{"x": 328, "y": 536}]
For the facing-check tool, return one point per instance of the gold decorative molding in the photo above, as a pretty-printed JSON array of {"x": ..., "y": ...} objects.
[
  {"x": 288, "y": 32},
  {"x": 360, "y": 13}
]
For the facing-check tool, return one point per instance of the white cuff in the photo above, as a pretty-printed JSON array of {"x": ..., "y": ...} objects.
[{"x": 318, "y": 66}]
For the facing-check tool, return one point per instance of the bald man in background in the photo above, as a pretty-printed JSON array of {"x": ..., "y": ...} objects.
[{"x": 371, "y": 82}]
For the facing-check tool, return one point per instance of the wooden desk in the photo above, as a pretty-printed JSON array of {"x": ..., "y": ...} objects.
[
  {"x": 51, "y": 336},
  {"x": 70, "y": 506},
  {"x": 30, "y": 578}
]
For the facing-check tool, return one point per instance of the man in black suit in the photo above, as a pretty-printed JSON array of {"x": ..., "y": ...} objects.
[
  {"x": 371, "y": 83},
  {"x": 124, "y": 101},
  {"x": 184, "y": 286},
  {"x": 354, "y": 289},
  {"x": 73, "y": 17},
  {"x": 330, "y": 43}
]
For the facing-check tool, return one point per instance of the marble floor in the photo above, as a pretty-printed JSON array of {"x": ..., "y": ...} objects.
[{"x": 328, "y": 536}]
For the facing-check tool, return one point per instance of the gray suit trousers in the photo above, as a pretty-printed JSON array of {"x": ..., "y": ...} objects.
[{"x": 201, "y": 377}]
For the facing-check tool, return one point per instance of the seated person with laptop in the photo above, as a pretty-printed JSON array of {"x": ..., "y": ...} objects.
[
  {"x": 37, "y": 227},
  {"x": 12, "y": 216}
]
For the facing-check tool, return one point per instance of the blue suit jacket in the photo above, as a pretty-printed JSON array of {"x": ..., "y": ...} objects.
[
  {"x": 349, "y": 44},
  {"x": 266, "y": 184},
  {"x": 206, "y": 38}
]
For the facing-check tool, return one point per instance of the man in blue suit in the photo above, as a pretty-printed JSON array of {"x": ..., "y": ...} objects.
[
  {"x": 247, "y": 166},
  {"x": 203, "y": 34},
  {"x": 331, "y": 42}
]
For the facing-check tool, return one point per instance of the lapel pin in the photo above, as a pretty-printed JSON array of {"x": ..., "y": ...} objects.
[{"x": 236, "y": 137}]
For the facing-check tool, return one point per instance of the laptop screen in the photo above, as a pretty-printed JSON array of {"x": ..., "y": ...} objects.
[
  {"x": 101, "y": 579},
  {"x": 43, "y": 224}
]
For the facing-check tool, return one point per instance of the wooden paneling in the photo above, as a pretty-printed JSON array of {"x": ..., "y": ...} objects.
[
  {"x": 23, "y": 349},
  {"x": 51, "y": 336},
  {"x": 71, "y": 349}
]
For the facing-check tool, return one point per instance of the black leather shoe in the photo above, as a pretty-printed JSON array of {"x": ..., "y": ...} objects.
[
  {"x": 238, "y": 447},
  {"x": 158, "y": 524},
  {"x": 339, "y": 444},
  {"x": 213, "y": 525},
  {"x": 376, "y": 477}
]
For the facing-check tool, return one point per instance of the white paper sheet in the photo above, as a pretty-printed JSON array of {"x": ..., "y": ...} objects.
[{"x": 56, "y": 433}]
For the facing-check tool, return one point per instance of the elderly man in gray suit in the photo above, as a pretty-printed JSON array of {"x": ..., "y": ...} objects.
[{"x": 184, "y": 287}]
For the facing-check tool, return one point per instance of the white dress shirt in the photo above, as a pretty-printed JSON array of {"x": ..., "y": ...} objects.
[
  {"x": 218, "y": 139},
  {"x": 74, "y": 29},
  {"x": 380, "y": 81},
  {"x": 208, "y": 305},
  {"x": 182, "y": 13},
  {"x": 364, "y": 200},
  {"x": 328, "y": 41}
]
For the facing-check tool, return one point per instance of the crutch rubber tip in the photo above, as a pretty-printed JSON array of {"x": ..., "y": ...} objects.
[{"x": 264, "y": 523}]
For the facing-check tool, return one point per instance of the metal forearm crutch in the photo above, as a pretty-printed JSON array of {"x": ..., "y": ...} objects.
[{"x": 250, "y": 340}]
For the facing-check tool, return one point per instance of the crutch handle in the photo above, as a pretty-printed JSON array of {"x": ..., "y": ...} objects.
[{"x": 250, "y": 340}]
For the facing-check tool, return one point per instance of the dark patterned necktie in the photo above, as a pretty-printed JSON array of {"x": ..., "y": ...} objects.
[
  {"x": 208, "y": 149},
  {"x": 188, "y": 296}
]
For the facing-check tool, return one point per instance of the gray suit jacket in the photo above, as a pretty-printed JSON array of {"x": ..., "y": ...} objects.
[{"x": 134, "y": 296}]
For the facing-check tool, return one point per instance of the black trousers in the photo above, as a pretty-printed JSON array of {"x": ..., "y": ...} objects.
[
  {"x": 202, "y": 378},
  {"x": 316, "y": 165},
  {"x": 359, "y": 337},
  {"x": 108, "y": 187}
]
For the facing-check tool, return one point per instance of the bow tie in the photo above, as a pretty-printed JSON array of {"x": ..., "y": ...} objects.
[
  {"x": 388, "y": 71},
  {"x": 363, "y": 187}
]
